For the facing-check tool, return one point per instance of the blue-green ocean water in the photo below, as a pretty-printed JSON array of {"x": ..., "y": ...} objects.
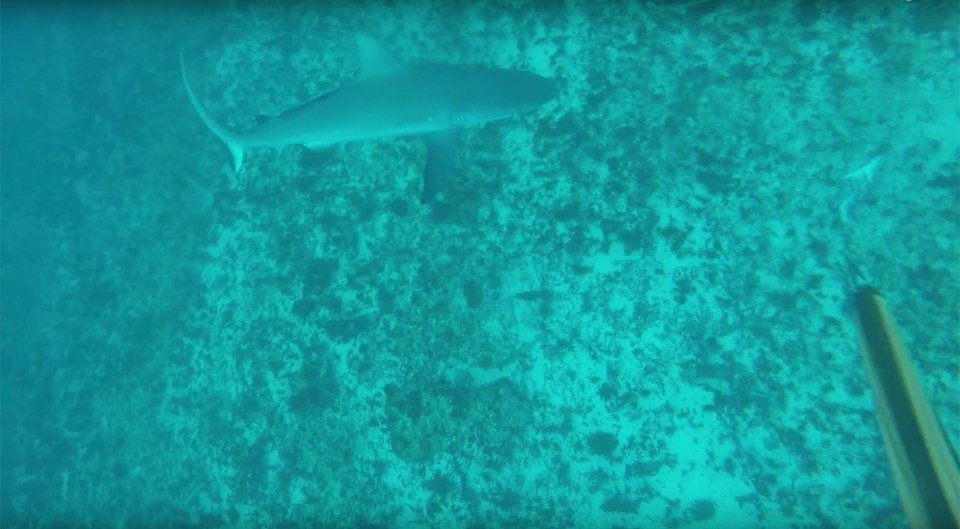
[{"x": 628, "y": 308}]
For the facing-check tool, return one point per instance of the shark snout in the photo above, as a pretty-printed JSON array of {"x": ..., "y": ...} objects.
[
  {"x": 504, "y": 92},
  {"x": 536, "y": 90}
]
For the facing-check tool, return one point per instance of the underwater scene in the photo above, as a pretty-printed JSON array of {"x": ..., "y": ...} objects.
[{"x": 494, "y": 264}]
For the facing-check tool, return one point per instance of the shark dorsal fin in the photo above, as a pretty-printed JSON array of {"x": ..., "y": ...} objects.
[{"x": 375, "y": 61}]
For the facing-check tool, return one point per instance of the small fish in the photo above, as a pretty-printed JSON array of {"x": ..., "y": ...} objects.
[{"x": 856, "y": 184}]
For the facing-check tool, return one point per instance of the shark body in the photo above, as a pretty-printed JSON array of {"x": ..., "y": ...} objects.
[{"x": 391, "y": 99}]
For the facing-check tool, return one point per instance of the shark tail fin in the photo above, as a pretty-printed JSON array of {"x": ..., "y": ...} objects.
[{"x": 229, "y": 136}]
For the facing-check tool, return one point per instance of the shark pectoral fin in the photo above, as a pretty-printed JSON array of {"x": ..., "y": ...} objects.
[
  {"x": 375, "y": 60},
  {"x": 441, "y": 156}
]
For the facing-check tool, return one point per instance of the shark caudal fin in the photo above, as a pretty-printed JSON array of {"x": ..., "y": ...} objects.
[{"x": 227, "y": 135}]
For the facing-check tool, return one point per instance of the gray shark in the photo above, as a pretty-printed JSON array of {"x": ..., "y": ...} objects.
[{"x": 390, "y": 99}]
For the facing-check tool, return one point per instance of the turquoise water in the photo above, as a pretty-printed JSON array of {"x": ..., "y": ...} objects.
[{"x": 627, "y": 308}]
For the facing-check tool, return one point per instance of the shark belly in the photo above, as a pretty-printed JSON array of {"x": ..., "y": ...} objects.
[{"x": 356, "y": 112}]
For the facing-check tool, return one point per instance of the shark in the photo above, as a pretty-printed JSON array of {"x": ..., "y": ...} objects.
[{"x": 387, "y": 99}]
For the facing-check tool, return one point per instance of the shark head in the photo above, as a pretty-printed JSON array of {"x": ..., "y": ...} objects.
[{"x": 495, "y": 93}]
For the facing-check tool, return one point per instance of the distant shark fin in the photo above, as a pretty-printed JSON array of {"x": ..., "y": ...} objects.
[{"x": 226, "y": 134}]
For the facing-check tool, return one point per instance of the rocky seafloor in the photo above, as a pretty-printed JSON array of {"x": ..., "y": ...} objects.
[{"x": 627, "y": 309}]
